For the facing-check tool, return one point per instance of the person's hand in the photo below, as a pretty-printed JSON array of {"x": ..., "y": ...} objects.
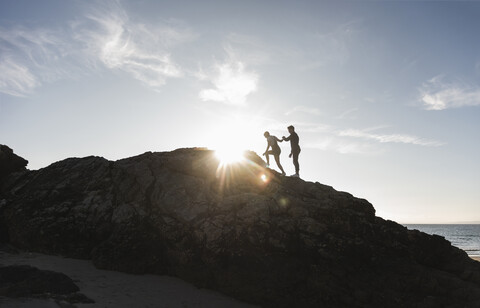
[
  {"x": 283, "y": 138},
  {"x": 264, "y": 153},
  {"x": 290, "y": 156}
]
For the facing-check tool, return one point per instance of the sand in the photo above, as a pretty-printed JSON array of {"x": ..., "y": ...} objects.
[{"x": 115, "y": 289}]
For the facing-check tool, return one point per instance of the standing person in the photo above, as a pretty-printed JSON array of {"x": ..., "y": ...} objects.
[
  {"x": 293, "y": 138},
  {"x": 275, "y": 151}
]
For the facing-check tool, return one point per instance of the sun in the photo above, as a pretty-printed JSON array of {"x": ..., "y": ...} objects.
[
  {"x": 230, "y": 137},
  {"x": 229, "y": 155}
]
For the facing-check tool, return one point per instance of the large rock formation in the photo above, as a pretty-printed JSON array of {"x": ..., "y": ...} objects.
[
  {"x": 241, "y": 229},
  {"x": 10, "y": 162},
  {"x": 26, "y": 281}
]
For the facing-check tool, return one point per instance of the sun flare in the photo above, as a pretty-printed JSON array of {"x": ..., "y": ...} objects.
[
  {"x": 230, "y": 137},
  {"x": 229, "y": 155}
]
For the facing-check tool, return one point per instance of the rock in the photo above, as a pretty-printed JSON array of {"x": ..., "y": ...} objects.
[
  {"x": 9, "y": 162},
  {"x": 282, "y": 242},
  {"x": 26, "y": 281}
]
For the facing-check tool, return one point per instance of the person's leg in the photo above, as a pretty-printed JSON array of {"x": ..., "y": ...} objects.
[
  {"x": 295, "y": 162},
  {"x": 277, "y": 160},
  {"x": 268, "y": 156}
]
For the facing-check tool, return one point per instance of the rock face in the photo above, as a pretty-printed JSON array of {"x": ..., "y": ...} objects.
[
  {"x": 26, "y": 281},
  {"x": 9, "y": 162},
  {"x": 272, "y": 240}
]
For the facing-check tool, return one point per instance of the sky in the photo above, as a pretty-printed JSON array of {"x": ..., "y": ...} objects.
[{"x": 384, "y": 95}]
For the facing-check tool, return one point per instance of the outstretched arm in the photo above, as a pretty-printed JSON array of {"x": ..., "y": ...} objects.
[
  {"x": 287, "y": 138},
  {"x": 278, "y": 140}
]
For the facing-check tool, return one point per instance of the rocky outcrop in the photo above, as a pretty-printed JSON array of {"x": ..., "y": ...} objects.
[
  {"x": 27, "y": 281},
  {"x": 241, "y": 229},
  {"x": 10, "y": 162}
]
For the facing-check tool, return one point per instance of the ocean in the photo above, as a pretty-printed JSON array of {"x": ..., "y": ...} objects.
[{"x": 466, "y": 237}]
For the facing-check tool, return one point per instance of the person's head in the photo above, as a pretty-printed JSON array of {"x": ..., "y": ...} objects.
[
  {"x": 291, "y": 129},
  {"x": 266, "y": 134}
]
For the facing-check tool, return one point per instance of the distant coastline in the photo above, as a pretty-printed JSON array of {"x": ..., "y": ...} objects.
[
  {"x": 446, "y": 223},
  {"x": 464, "y": 236}
]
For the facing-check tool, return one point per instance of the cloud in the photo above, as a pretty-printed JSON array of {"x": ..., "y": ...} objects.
[
  {"x": 110, "y": 36},
  {"x": 232, "y": 84},
  {"x": 29, "y": 57},
  {"x": 231, "y": 81},
  {"x": 105, "y": 37},
  {"x": 392, "y": 138},
  {"x": 16, "y": 80},
  {"x": 334, "y": 144},
  {"x": 348, "y": 114},
  {"x": 436, "y": 94}
]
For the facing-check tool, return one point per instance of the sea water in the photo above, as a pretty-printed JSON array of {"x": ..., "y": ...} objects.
[{"x": 466, "y": 237}]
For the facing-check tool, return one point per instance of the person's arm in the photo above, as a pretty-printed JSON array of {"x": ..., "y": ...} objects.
[
  {"x": 278, "y": 140},
  {"x": 288, "y": 139}
]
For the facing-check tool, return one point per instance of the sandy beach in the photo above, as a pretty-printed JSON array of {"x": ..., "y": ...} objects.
[{"x": 115, "y": 289}]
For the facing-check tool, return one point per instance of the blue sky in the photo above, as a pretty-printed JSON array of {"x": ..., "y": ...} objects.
[{"x": 385, "y": 95}]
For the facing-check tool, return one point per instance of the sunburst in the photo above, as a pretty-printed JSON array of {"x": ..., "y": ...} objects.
[{"x": 228, "y": 156}]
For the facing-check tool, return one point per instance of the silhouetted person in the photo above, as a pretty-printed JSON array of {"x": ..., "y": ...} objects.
[
  {"x": 293, "y": 138},
  {"x": 275, "y": 151}
]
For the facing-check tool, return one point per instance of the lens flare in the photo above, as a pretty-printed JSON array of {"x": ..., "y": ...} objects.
[
  {"x": 264, "y": 177},
  {"x": 229, "y": 156}
]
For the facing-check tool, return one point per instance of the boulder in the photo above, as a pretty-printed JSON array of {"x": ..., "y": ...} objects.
[
  {"x": 27, "y": 281},
  {"x": 10, "y": 162},
  {"x": 241, "y": 229}
]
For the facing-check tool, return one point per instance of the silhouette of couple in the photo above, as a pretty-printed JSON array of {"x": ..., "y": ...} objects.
[{"x": 272, "y": 142}]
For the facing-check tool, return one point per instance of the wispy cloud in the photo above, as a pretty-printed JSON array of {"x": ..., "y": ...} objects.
[
  {"x": 15, "y": 79},
  {"x": 232, "y": 83},
  {"x": 348, "y": 114},
  {"x": 326, "y": 137},
  {"x": 28, "y": 58},
  {"x": 341, "y": 146},
  {"x": 340, "y": 141},
  {"x": 436, "y": 94},
  {"x": 109, "y": 35},
  {"x": 105, "y": 37},
  {"x": 389, "y": 138}
]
